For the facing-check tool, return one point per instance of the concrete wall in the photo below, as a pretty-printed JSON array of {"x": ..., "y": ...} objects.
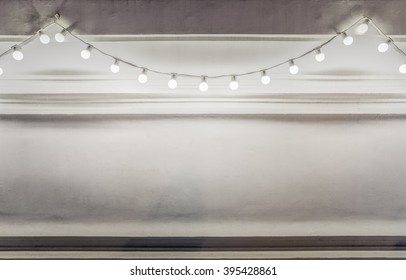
[
  {"x": 201, "y": 16},
  {"x": 258, "y": 175}
]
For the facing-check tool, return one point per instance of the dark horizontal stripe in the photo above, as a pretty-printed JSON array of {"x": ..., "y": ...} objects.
[{"x": 302, "y": 243}]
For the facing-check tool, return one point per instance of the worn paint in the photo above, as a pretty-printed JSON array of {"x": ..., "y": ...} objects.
[{"x": 201, "y": 17}]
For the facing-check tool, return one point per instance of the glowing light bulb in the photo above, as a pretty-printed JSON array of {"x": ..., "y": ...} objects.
[
  {"x": 1, "y": 71},
  {"x": 85, "y": 54},
  {"x": 44, "y": 38},
  {"x": 293, "y": 69},
  {"x": 233, "y": 83},
  {"x": 383, "y": 47},
  {"x": 347, "y": 40},
  {"x": 115, "y": 67},
  {"x": 17, "y": 53},
  {"x": 172, "y": 82},
  {"x": 319, "y": 56},
  {"x": 265, "y": 79},
  {"x": 402, "y": 68},
  {"x": 60, "y": 36},
  {"x": 204, "y": 86},
  {"x": 143, "y": 78},
  {"x": 363, "y": 27}
]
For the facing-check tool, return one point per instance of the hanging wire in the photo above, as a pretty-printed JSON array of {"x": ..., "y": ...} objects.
[
  {"x": 396, "y": 47},
  {"x": 179, "y": 74},
  {"x": 32, "y": 37}
]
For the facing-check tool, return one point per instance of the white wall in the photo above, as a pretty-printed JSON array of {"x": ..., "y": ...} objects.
[{"x": 202, "y": 175}]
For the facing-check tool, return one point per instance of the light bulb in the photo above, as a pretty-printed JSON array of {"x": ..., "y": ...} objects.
[
  {"x": 233, "y": 83},
  {"x": 265, "y": 79},
  {"x": 319, "y": 56},
  {"x": 60, "y": 36},
  {"x": 143, "y": 78},
  {"x": 44, "y": 38},
  {"x": 363, "y": 27},
  {"x": 402, "y": 68},
  {"x": 348, "y": 40},
  {"x": 293, "y": 69},
  {"x": 85, "y": 54},
  {"x": 1, "y": 71},
  {"x": 172, "y": 82},
  {"x": 17, "y": 53},
  {"x": 204, "y": 86},
  {"x": 383, "y": 47},
  {"x": 115, "y": 68}
]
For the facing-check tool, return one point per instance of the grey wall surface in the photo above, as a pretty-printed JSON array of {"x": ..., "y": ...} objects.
[
  {"x": 258, "y": 175},
  {"x": 201, "y": 16},
  {"x": 202, "y": 175}
]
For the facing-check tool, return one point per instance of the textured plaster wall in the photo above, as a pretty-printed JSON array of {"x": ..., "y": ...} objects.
[
  {"x": 201, "y": 16},
  {"x": 293, "y": 175}
]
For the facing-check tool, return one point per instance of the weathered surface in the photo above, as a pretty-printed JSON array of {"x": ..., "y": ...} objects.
[
  {"x": 197, "y": 176},
  {"x": 201, "y": 17}
]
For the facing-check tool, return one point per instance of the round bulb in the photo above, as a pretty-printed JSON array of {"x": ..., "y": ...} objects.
[
  {"x": 233, "y": 84},
  {"x": 293, "y": 69},
  {"x": 44, "y": 38},
  {"x": 383, "y": 47},
  {"x": 265, "y": 79},
  {"x": 115, "y": 68},
  {"x": 204, "y": 86},
  {"x": 362, "y": 28},
  {"x": 348, "y": 40},
  {"x": 143, "y": 78},
  {"x": 1, "y": 71},
  {"x": 320, "y": 56},
  {"x": 60, "y": 37},
  {"x": 85, "y": 54},
  {"x": 18, "y": 55},
  {"x": 172, "y": 82},
  {"x": 402, "y": 68}
]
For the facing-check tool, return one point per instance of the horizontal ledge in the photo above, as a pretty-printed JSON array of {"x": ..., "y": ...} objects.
[
  {"x": 300, "y": 243},
  {"x": 198, "y": 37},
  {"x": 282, "y": 84},
  {"x": 122, "y": 104},
  {"x": 382, "y": 79},
  {"x": 370, "y": 254}
]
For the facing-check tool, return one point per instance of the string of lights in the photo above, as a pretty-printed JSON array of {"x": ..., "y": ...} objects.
[{"x": 361, "y": 27}]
